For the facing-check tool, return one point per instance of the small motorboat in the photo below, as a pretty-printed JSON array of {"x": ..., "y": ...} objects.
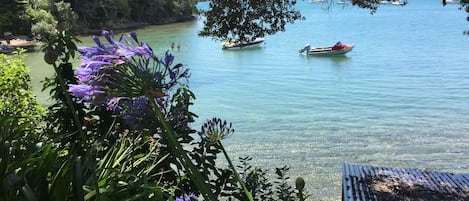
[
  {"x": 385, "y": 2},
  {"x": 394, "y": 2},
  {"x": 316, "y": 1},
  {"x": 337, "y": 49},
  {"x": 6, "y": 49},
  {"x": 452, "y": 1},
  {"x": 242, "y": 45},
  {"x": 344, "y": 2},
  {"x": 399, "y": 3}
]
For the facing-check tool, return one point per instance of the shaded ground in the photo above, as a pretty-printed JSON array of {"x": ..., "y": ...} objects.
[
  {"x": 387, "y": 187},
  {"x": 364, "y": 182}
]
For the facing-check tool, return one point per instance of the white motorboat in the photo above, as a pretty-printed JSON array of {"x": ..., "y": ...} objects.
[
  {"x": 232, "y": 44},
  {"x": 399, "y": 3},
  {"x": 337, "y": 49},
  {"x": 316, "y": 1},
  {"x": 452, "y": 1},
  {"x": 344, "y": 2}
]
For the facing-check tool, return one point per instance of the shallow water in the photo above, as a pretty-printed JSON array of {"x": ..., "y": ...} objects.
[{"x": 400, "y": 98}]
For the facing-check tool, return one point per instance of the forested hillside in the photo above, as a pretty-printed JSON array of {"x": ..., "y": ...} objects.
[{"x": 44, "y": 18}]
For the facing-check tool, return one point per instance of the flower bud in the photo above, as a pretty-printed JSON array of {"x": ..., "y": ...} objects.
[
  {"x": 300, "y": 183},
  {"x": 50, "y": 55}
]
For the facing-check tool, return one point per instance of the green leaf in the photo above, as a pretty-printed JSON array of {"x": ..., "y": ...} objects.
[
  {"x": 28, "y": 193},
  {"x": 77, "y": 180}
]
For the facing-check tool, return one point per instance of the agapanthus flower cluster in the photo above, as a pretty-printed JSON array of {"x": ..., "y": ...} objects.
[
  {"x": 125, "y": 74},
  {"x": 187, "y": 197},
  {"x": 215, "y": 130}
]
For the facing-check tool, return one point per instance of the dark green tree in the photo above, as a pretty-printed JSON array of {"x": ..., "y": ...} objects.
[
  {"x": 245, "y": 20},
  {"x": 10, "y": 12},
  {"x": 464, "y": 6}
]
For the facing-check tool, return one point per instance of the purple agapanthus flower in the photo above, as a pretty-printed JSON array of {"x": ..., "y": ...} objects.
[
  {"x": 137, "y": 113},
  {"x": 215, "y": 130},
  {"x": 88, "y": 93},
  {"x": 119, "y": 73},
  {"x": 187, "y": 197},
  {"x": 168, "y": 59}
]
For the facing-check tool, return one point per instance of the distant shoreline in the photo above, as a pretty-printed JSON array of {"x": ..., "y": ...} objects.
[
  {"x": 31, "y": 45},
  {"x": 128, "y": 26},
  {"x": 28, "y": 45}
]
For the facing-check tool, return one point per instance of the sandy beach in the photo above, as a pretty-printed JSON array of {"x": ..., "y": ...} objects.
[
  {"x": 28, "y": 45},
  {"x": 21, "y": 42}
]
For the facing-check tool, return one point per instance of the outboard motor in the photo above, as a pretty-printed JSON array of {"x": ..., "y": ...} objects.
[{"x": 307, "y": 47}]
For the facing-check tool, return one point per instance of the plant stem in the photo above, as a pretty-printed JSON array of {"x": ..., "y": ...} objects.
[
  {"x": 300, "y": 195},
  {"x": 76, "y": 163},
  {"x": 245, "y": 189},
  {"x": 179, "y": 153},
  {"x": 69, "y": 102}
]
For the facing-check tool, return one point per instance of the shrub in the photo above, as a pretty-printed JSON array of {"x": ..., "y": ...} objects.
[{"x": 16, "y": 98}]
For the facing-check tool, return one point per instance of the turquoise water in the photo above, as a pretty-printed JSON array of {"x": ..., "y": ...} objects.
[{"x": 400, "y": 98}]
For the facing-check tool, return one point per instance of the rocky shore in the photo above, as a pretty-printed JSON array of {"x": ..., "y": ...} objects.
[
  {"x": 20, "y": 42},
  {"x": 29, "y": 44},
  {"x": 125, "y": 25}
]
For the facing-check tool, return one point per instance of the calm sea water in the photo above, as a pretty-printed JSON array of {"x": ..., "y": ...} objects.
[{"x": 400, "y": 98}]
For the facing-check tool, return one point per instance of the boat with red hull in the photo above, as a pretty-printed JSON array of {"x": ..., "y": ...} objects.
[{"x": 337, "y": 49}]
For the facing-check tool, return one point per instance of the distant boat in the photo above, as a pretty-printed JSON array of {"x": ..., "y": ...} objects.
[
  {"x": 394, "y": 2},
  {"x": 242, "y": 45},
  {"x": 452, "y": 1},
  {"x": 399, "y": 3},
  {"x": 337, "y": 49},
  {"x": 316, "y": 1},
  {"x": 343, "y": 2},
  {"x": 6, "y": 49},
  {"x": 385, "y": 2}
]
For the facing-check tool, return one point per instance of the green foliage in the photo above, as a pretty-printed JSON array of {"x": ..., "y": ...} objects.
[
  {"x": 29, "y": 169},
  {"x": 123, "y": 8},
  {"x": 65, "y": 16},
  {"x": 49, "y": 17},
  {"x": 109, "y": 13},
  {"x": 257, "y": 180},
  {"x": 44, "y": 24},
  {"x": 41, "y": 4},
  {"x": 60, "y": 114},
  {"x": 262, "y": 186},
  {"x": 128, "y": 171},
  {"x": 10, "y": 12},
  {"x": 45, "y": 18},
  {"x": 247, "y": 20},
  {"x": 153, "y": 9},
  {"x": 16, "y": 98},
  {"x": 60, "y": 118},
  {"x": 186, "y": 7},
  {"x": 283, "y": 190},
  {"x": 87, "y": 154},
  {"x": 105, "y": 161}
]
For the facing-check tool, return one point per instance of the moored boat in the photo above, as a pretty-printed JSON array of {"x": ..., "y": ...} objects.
[
  {"x": 316, "y": 1},
  {"x": 337, "y": 49},
  {"x": 242, "y": 45},
  {"x": 6, "y": 49},
  {"x": 399, "y": 3},
  {"x": 344, "y": 2},
  {"x": 452, "y": 1},
  {"x": 385, "y": 2},
  {"x": 394, "y": 2}
]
